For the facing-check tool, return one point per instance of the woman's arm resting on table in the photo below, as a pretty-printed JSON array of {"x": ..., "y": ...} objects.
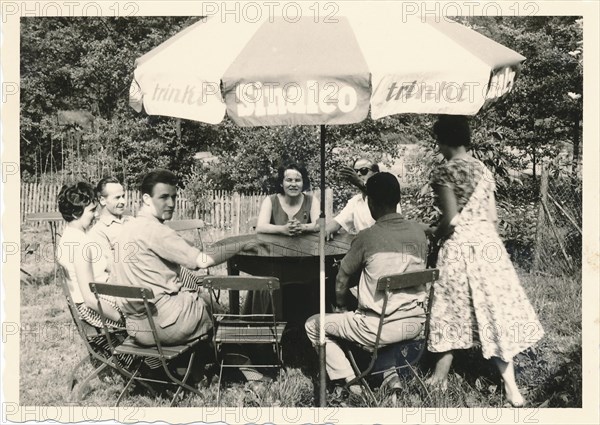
[
  {"x": 449, "y": 207},
  {"x": 263, "y": 223},
  {"x": 315, "y": 211},
  {"x": 85, "y": 275}
]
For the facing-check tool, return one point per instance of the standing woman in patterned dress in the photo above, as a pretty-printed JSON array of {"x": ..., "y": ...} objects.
[{"x": 478, "y": 297}]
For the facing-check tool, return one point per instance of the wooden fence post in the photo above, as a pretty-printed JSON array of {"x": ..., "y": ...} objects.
[{"x": 540, "y": 220}]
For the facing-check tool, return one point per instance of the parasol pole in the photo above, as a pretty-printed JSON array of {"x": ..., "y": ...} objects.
[{"x": 322, "y": 370}]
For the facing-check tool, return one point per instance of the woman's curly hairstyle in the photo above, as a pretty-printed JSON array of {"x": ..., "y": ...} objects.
[
  {"x": 292, "y": 166},
  {"x": 72, "y": 200}
]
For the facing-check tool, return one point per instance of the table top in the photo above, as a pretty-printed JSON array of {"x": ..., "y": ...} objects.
[
  {"x": 304, "y": 245},
  {"x": 45, "y": 216}
]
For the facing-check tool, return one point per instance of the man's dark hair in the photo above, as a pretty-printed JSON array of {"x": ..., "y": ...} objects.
[
  {"x": 452, "y": 130},
  {"x": 155, "y": 177},
  {"x": 292, "y": 166},
  {"x": 102, "y": 184},
  {"x": 374, "y": 165},
  {"x": 72, "y": 200},
  {"x": 383, "y": 189}
]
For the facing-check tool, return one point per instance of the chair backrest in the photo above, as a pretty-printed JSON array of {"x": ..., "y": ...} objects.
[
  {"x": 85, "y": 330},
  {"x": 190, "y": 224},
  {"x": 403, "y": 281},
  {"x": 126, "y": 291},
  {"x": 181, "y": 225},
  {"x": 121, "y": 291},
  {"x": 407, "y": 280},
  {"x": 242, "y": 283}
]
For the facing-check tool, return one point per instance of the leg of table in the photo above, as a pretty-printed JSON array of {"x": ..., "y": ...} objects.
[{"x": 234, "y": 296}]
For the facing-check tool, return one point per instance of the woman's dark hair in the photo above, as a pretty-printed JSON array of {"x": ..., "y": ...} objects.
[
  {"x": 452, "y": 130},
  {"x": 292, "y": 166},
  {"x": 102, "y": 184},
  {"x": 155, "y": 177},
  {"x": 72, "y": 200}
]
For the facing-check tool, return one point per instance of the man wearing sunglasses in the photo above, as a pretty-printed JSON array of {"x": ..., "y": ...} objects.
[{"x": 356, "y": 215}]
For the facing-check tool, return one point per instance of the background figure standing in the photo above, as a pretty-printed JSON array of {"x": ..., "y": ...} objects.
[{"x": 478, "y": 296}]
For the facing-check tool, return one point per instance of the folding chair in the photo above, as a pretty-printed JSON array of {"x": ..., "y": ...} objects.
[
  {"x": 165, "y": 354},
  {"x": 234, "y": 329},
  {"x": 399, "y": 351},
  {"x": 191, "y": 224},
  {"x": 184, "y": 225},
  {"x": 89, "y": 335}
]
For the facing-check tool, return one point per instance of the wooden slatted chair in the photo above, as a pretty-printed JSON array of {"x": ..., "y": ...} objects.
[
  {"x": 234, "y": 329},
  {"x": 191, "y": 224},
  {"x": 89, "y": 335},
  {"x": 404, "y": 354},
  {"x": 165, "y": 354},
  {"x": 187, "y": 225}
]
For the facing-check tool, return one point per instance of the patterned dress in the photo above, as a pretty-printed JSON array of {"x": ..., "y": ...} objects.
[{"x": 478, "y": 297}]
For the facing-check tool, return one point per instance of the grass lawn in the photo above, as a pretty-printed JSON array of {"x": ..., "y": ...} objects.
[{"x": 549, "y": 374}]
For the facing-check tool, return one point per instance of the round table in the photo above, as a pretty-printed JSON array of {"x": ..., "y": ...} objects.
[{"x": 292, "y": 259}]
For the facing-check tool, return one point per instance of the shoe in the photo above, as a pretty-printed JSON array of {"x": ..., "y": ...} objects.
[
  {"x": 355, "y": 389},
  {"x": 516, "y": 404},
  {"x": 252, "y": 374},
  {"x": 392, "y": 382}
]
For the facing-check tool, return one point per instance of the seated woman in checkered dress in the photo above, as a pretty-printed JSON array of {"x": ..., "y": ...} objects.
[{"x": 84, "y": 263}]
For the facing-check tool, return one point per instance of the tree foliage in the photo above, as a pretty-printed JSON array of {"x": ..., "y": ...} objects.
[{"x": 86, "y": 65}]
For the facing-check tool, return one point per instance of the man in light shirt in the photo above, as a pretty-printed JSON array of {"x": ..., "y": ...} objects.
[
  {"x": 111, "y": 197},
  {"x": 152, "y": 255},
  {"x": 356, "y": 215}
]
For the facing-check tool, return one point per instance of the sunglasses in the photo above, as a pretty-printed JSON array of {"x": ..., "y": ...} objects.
[{"x": 363, "y": 171}]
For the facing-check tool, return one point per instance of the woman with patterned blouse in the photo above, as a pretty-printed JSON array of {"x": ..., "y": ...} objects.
[{"x": 478, "y": 298}]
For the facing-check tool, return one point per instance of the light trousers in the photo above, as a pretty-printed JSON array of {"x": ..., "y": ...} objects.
[{"x": 361, "y": 327}]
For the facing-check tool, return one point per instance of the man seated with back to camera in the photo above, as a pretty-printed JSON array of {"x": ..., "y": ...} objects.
[{"x": 392, "y": 245}]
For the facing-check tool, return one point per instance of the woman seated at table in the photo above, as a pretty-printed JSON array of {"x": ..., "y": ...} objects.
[
  {"x": 288, "y": 212},
  {"x": 84, "y": 263},
  {"x": 81, "y": 256}
]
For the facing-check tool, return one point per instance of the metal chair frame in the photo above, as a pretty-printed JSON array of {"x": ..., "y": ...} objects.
[
  {"x": 387, "y": 284},
  {"x": 246, "y": 328},
  {"x": 191, "y": 224},
  {"x": 164, "y": 353},
  {"x": 86, "y": 332}
]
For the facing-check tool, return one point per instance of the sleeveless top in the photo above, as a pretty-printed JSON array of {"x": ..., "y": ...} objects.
[
  {"x": 280, "y": 217},
  {"x": 75, "y": 239}
]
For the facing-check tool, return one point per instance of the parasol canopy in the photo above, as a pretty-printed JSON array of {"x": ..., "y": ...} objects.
[{"x": 279, "y": 71}]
